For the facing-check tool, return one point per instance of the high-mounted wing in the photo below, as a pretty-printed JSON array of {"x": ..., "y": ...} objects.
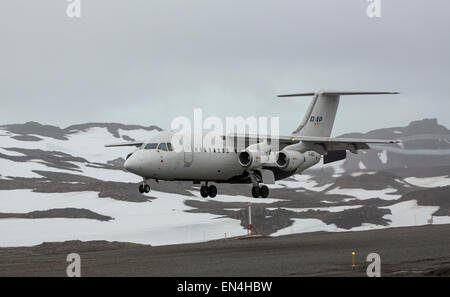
[
  {"x": 323, "y": 145},
  {"x": 319, "y": 144},
  {"x": 133, "y": 143}
]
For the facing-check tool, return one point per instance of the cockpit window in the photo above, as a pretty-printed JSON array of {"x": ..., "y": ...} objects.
[
  {"x": 169, "y": 146},
  {"x": 162, "y": 146},
  {"x": 150, "y": 146}
]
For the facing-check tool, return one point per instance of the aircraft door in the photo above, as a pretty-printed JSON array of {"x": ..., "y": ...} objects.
[{"x": 188, "y": 157}]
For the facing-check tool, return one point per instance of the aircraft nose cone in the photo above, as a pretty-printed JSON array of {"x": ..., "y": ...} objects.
[{"x": 131, "y": 165}]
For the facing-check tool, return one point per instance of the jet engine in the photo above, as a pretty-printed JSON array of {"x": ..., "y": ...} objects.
[
  {"x": 290, "y": 160},
  {"x": 249, "y": 159}
]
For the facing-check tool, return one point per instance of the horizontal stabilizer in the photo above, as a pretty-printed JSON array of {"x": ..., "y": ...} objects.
[
  {"x": 338, "y": 93},
  {"x": 297, "y": 95},
  {"x": 133, "y": 143}
]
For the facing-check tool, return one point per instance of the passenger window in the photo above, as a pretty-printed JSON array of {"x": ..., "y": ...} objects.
[
  {"x": 151, "y": 146},
  {"x": 162, "y": 146},
  {"x": 169, "y": 146}
]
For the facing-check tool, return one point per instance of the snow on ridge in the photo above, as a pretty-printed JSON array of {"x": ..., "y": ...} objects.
[
  {"x": 88, "y": 144},
  {"x": 137, "y": 135}
]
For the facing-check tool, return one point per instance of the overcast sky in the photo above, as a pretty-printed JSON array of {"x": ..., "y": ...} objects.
[{"x": 146, "y": 62}]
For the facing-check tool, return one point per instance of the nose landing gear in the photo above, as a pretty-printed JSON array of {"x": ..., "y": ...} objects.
[{"x": 144, "y": 188}]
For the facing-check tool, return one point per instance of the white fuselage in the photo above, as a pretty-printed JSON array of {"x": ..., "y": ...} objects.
[
  {"x": 171, "y": 165},
  {"x": 152, "y": 161}
]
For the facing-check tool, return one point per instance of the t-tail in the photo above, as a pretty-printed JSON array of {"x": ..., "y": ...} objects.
[{"x": 319, "y": 118}]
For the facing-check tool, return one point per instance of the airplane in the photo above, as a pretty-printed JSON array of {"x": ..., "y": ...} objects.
[{"x": 157, "y": 159}]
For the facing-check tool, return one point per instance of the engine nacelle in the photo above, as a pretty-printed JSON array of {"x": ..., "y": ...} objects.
[
  {"x": 290, "y": 160},
  {"x": 249, "y": 159},
  {"x": 311, "y": 159}
]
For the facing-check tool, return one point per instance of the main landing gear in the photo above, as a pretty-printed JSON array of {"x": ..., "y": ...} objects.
[
  {"x": 210, "y": 191},
  {"x": 144, "y": 188},
  {"x": 257, "y": 190},
  {"x": 260, "y": 191}
]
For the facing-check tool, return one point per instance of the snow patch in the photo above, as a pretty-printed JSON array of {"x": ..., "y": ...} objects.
[
  {"x": 409, "y": 213},
  {"x": 363, "y": 194},
  {"x": 338, "y": 167},
  {"x": 429, "y": 182},
  {"x": 356, "y": 174},
  {"x": 159, "y": 222},
  {"x": 330, "y": 209},
  {"x": 383, "y": 156},
  {"x": 24, "y": 169},
  {"x": 231, "y": 198},
  {"x": 108, "y": 174},
  {"x": 138, "y": 134},
  {"x": 11, "y": 153},
  {"x": 301, "y": 181},
  {"x": 307, "y": 225}
]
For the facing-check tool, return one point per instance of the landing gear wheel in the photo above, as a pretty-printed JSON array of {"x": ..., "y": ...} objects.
[
  {"x": 141, "y": 189},
  {"x": 204, "y": 191},
  {"x": 212, "y": 191},
  {"x": 146, "y": 188},
  {"x": 255, "y": 192},
  {"x": 264, "y": 191}
]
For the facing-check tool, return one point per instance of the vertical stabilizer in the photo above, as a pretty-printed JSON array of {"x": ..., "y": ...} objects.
[{"x": 319, "y": 118}]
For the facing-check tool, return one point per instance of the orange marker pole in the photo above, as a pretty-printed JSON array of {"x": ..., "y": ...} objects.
[
  {"x": 250, "y": 226},
  {"x": 353, "y": 259}
]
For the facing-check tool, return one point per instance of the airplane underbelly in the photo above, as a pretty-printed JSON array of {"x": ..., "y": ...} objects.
[{"x": 211, "y": 166}]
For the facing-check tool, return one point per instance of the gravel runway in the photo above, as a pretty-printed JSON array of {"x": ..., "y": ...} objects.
[{"x": 412, "y": 251}]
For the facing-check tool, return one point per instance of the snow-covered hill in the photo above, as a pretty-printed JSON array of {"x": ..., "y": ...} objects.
[{"x": 61, "y": 184}]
